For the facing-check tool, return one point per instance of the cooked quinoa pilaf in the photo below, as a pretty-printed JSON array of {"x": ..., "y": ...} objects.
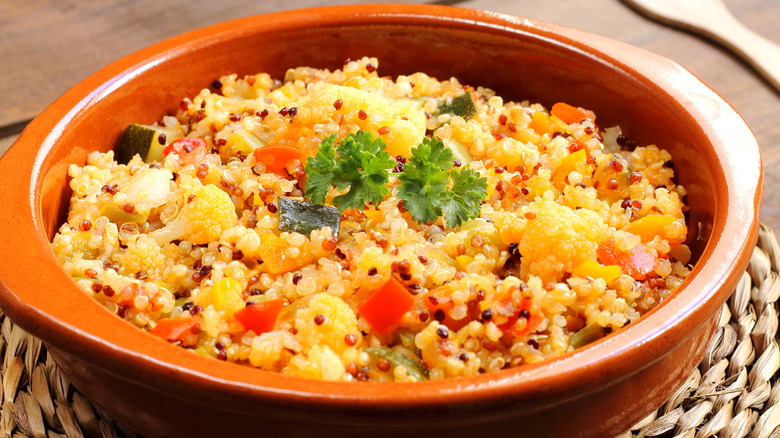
[{"x": 550, "y": 232}]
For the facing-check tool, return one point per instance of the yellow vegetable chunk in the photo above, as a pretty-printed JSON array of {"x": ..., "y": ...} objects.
[
  {"x": 224, "y": 295},
  {"x": 276, "y": 259},
  {"x": 568, "y": 165},
  {"x": 401, "y": 123},
  {"x": 594, "y": 269},
  {"x": 655, "y": 225}
]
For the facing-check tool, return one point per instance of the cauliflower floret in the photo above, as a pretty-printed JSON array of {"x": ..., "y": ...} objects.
[
  {"x": 272, "y": 350},
  {"x": 71, "y": 243},
  {"x": 326, "y": 321},
  {"x": 201, "y": 220},
  {"x": 148, "y": 188},
  {"x": 320, "y": 363},
  {"x": 142, "y": 254},
  {"x": 558, "y": 239}
]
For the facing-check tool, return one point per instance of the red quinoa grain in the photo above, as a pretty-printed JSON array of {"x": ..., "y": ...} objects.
[
  {"x": 85, "y": 225},
  {"x": 383, "y": 364}
]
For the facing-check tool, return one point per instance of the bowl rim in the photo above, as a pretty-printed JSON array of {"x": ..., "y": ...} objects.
[{"x": 150, "y": 358}]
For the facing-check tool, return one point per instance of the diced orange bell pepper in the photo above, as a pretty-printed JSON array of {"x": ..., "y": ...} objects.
[
  {"x": 568, "y": 165},
  {"x": 652, "y": 225},
  {"x": 592, "y": 268},
  {"x": 540, "y": 123},
  {"x": 261, "y": 317},
  {"x": 273, "y": 253},
  {"x": 385, "y": 307}
]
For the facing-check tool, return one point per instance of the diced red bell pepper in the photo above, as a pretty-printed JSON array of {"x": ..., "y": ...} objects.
[
  {"x": 174, "y": 329},
  {"x": 184, "y": 144},
  {"x": 637, "y": 262},
  {"x": 532, "y": 320},
  {"x": 443, "y": 305},
  {"x": 385, "y": 307},
  {"x": 261, "y": 317}
]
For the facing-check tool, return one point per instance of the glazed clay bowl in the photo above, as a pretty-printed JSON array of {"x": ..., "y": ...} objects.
[{"x": 599, "y": 390}]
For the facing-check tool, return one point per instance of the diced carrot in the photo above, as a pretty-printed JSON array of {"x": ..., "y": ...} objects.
[
  {"x": 567, "y": 113},
  {"x": 276, "y": 157},
  {"x": 261, "y": 317},
  {"x": 592, "y": 268},
  {"x": 174, "y": 329},
  {"x": 637, "y": 262},
  {"x": 652, "y": 225},
  {"x": 273, "y": 253},
  {"x": 568, "y": 165},
  {"x": 385, "y": 307}
]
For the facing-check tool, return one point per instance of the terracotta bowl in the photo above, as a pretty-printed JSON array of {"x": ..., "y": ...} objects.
[{"x": 600, "y": 390}]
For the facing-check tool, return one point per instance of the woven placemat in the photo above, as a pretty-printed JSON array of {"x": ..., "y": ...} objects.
[{"x": 733, "y": 393}]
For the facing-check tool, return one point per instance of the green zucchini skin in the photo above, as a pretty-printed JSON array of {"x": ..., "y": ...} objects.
[
  {"x": 304, "y": 217},
  {"x": 461, "y": 105},
  {"x": 143, "y": 140}
]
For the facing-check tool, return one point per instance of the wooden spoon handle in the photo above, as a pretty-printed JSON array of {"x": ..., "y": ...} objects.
[{"x": 713, "y": 20}]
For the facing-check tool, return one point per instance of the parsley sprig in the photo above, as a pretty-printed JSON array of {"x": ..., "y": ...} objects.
[
  {"x": 359, "y": 162},
  {"x": 425, "y": 186},
  {"x": 429, "y": 185}
]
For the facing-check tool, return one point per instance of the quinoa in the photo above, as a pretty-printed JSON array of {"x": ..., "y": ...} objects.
[{"x": 581, "y": 232}]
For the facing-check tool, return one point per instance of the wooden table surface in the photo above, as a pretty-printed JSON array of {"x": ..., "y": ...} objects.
[{"x": 46, "y": 46}]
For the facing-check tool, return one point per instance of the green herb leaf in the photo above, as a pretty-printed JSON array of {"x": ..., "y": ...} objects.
[
  {"x": 430, "y": 188},
  {"x": 425, "y": 186},
  {"x": 319, "y": 170},
  {"x": 461, "y": 105},
  {"x": 359, "y": 163},
  {"x": 425, "y": 180},
  {"x": 468, "y": 192}
]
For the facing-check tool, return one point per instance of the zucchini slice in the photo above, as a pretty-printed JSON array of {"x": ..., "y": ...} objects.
[
  {"x": 586, "y": 335},
  {"x": 304, "y": 217},
  {"x": 461, "y": 105},
  {"x": 459, "y": 151},
  {"x": 143, "y": 140},
  {"x": 415, "y": 368}
]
